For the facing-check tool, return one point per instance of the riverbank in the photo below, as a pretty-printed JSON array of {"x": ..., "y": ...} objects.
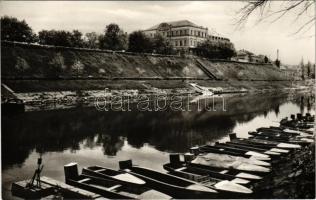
[{"x": 58, "y": 94}]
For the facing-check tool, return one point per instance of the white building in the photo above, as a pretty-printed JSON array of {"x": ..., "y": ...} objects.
[{"x": 182, "y": 34}]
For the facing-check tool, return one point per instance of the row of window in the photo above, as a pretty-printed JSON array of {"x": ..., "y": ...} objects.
[
  {"x": 180, "y": 43},
  {"x": 218, "y": 38},
  {"x": 185, "y": 32}
]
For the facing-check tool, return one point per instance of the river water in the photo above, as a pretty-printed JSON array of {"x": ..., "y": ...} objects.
[{"x": 91, "y": 137}]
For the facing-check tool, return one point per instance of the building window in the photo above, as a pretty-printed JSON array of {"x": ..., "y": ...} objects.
[
  {"x": 191, "y": 32},
  {"x": 180, "y": 43},
  {"x": 185, "y": 42}
]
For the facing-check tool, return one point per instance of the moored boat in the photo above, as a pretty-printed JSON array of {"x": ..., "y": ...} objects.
[
  {"x": 225, "y": 161},
  {"x": 119, "y": 176},
  {"x": 269, "y": 152},
  {"x": 109, "y": 188},
  {"x": 276, "y": 144},
  {"x": 252, "y": 153},
  {"x": 281, "y": 136},
  {"x": 222, "y": 149},
  {"x": 277, "y": 132},
  {"x": 300, "y": 141},
  {"x": 263, "y": 143},
  {"x": 204, "y": 178},
  {"x": 169, "y": 184},
  {"x": 263, "y": 146},
  {"x": 217, "y": 173}
]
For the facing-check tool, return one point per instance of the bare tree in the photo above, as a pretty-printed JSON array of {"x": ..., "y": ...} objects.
[{"x": 298, "y": 7}]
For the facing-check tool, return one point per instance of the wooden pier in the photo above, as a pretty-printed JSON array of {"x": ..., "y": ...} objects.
[{"x": 51, "y": 187}]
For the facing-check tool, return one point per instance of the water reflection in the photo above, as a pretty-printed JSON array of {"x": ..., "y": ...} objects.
[{"x": 57, "y": 131}]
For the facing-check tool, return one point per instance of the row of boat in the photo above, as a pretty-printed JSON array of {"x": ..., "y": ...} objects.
[{"x": 222, "y": 170}]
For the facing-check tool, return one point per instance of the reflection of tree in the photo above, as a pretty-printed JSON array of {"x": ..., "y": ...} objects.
[
  {"x": 111, "y": 144},
  {"x": 277, "y": 110},
  {"x": 167, "y": 131},
  {"x": 90, "y": 142},
  {"x": 302, "y": 105},
  {"x": 310, "y": 102}
]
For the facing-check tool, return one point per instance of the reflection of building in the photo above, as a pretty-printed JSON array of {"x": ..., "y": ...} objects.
[{"x": 182, "y": 34}]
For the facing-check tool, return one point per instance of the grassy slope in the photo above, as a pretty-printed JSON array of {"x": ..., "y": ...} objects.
[
  {"x": 25, "y": 61},
  {"x": 243, "y": 71}
]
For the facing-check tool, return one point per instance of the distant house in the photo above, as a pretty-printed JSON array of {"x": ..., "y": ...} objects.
[
  {"x": 243, "y": 56},
  {"x": 247, "y": 56},
  {"x": 182, "y": 34}
]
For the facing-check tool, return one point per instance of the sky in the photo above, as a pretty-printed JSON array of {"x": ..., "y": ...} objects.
[{"x": 260, "y": 38}]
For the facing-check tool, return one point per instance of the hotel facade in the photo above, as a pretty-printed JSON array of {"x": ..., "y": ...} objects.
[{"x": 182, "y": 34}]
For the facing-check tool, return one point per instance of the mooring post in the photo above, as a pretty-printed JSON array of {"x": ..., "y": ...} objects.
[
  {"x": 195, "y": 150},
  {"x": 174, "y": 158},
  {"x": 125, "y": 164},
  {"x": 188, "y": 157},
  {"x": 293, "y": 117},
  {"x": 71, "y": 171},
  {"x": 232, "y": 136}
]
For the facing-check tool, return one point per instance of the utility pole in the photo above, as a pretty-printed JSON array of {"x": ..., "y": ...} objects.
[{"x": 277, "y": 61}]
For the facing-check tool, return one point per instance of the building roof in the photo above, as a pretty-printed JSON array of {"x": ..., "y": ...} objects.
[
  {"x": 179, "y": 23},
  {"x": 244, "y": 52}
]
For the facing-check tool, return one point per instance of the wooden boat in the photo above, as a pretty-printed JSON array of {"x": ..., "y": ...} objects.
[
  {"x": 231, "y": 171},
  {"x": 222, "y": 149},
  {"x": 296, "y": 124},
  {"x": 252, "y": 153},
  {"x": 217, "y": 172},
  {"x": 267, "y": 143},
  {"x": 169, "y": 184},
  {"x": 272, "y": 148},
  {"x": 309, "y": 131},
  {"x": 269, "y": 152},
  {"x": 282, "y": 136},
  {"x": 109, "y": 188},
  {"x": 301, "y": 133},
  {"x": 276, "y": 144},
  {"x": 119, "y": 176},
  {"x": 277, "y": 132},
  {"x": 204, "y": 178},
  {"x": 300, "y": 141},
  {"x": 225, "y": 161}
]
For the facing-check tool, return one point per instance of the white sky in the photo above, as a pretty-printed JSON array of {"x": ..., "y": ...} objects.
[{"x": 263, "y": 38}]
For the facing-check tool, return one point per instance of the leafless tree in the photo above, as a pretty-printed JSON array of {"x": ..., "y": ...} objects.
[{"x": 298, "y": 7}]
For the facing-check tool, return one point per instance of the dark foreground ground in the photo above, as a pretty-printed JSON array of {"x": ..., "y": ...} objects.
[{"x": 293, "y": 178}]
